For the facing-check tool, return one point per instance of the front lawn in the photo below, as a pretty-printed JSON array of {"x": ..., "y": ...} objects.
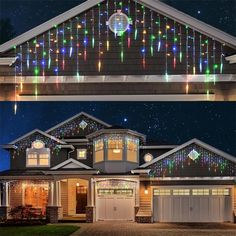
[{"x": 44, "y": 230}]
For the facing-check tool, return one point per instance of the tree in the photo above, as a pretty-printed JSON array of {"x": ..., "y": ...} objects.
[{"x": 7, "y": 31}]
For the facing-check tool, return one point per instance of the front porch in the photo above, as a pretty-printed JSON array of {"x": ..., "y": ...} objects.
[
  {"x": 73, "y": 199},
  {"x": 61, "y": 199}
]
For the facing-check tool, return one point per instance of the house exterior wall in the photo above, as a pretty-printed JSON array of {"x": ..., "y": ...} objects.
[
  {"x": 82, "y": 43},
  {"x": 18, "y": 156},
  {"x": 179, "y": 164}
]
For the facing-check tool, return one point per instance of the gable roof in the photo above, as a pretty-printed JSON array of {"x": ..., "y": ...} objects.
[
  {"x": 39, "y": 131},
  {"x": 155, "y": 5},
  {"x": 73, "y": 117},
  {"x": 76, "y": 164},
  {"x": 196, "y": 141}
]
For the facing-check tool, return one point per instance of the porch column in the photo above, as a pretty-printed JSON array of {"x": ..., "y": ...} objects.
[
  {"x": 54, "y": 202},
  {"x": 90, "y": 209},
  {"x": 5, "y": 197},
  {"x": 4, "y": 202}
]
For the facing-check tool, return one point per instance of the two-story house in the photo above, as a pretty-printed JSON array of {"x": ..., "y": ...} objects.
[{"x": 84, "y": 167}]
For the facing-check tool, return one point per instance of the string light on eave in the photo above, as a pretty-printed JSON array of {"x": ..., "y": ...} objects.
[
  {"x": 78, "y": 26},
  {"x": 99, "y": 39},
  {"x": 136, "y": 21},
  {"x": 166, "y": 49},
  {"x": 85, "y": 36},
  {"x": 187, "y": 58},
  {"x": 152, "y": 37},
  {"x": 174, "y": 49},
  {"x": 144, "y": 39}
]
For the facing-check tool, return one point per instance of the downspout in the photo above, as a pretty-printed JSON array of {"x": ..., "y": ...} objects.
[{"x": 68, "y": 155}]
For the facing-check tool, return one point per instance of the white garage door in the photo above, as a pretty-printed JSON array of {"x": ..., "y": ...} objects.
[
  {"x": 115, "y": 204},
  {"x": 192, "y": 204}
]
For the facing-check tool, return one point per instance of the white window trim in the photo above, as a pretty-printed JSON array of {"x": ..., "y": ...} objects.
[{"x": 38, "y": 154}]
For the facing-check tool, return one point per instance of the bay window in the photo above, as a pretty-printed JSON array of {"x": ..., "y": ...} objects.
[
  {"x": 99, "y": 150},
  {"x": 115, "y": 149},
  {"x": 132, "y": 150}
]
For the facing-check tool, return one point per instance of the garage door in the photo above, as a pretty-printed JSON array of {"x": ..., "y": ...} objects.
[
  {"x": 115, "y": 204},
  {"x": 192, "y": 204}
]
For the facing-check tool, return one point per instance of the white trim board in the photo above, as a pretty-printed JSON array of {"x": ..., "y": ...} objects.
[
  {"x": 39, "y": 131},
  {"x": 130, "y": 98},
  {"x": 196, "y": 141},
  {"x": 7, "y": 61},
  {"x": 74, "y": 117},
  {"x": 119, "y": 79},
  {"x": 155, "y": 5},
  {"x": 66, "y": 163}
]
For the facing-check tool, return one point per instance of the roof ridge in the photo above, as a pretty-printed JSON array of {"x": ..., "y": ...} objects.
[{"x": 156, "y": 5}]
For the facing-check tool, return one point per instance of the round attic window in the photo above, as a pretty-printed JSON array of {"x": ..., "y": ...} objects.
[
  {"x": 118, "y": 23},
  {"x": 148, "y": 157},
  {"x": 37, "y": 144}
]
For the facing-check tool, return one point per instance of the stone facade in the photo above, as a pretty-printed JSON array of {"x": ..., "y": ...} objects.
[
  {"x": 4, "y": 212},
  {"x": 144, "y": 219},
  {"x": 53, "y": 214},
  {"x": 90, "y": 216}
]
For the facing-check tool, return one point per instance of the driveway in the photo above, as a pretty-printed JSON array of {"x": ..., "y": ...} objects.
[{"x": 157, "y": 229}]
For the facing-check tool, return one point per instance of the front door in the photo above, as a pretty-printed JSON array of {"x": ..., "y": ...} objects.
[{"x": 81, "y": 199}]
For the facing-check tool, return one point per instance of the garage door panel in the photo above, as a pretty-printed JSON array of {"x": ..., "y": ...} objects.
[
  {"x": 204, "y": 209},
  {"x": 167, "y": 205},
  {"x": 195, "y": 206},
  {"x": 176, "y": 209}
]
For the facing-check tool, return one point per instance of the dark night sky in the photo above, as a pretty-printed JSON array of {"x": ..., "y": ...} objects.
[
  {"x": 26, "y": 14},
  {"x": 173, "y": 123}
]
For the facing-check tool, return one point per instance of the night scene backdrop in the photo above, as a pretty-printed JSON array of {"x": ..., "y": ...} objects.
[
  {"x": 171, "y": 123},
  {"x": 162, "y": 122},
  {"x": 18, "y": 16}
]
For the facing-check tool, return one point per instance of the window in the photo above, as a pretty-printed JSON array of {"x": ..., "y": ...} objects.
[
  {"x": 148, "y": 157},
  {"x": 162, "y": 192},
  {"x": 115, "y": 149},
  {"x": 221, "y": 191},
  {"x": 132, "y": 150},
  {"x": 32, "y": 159},
  {"x": 37, "y": 155},
  {"x": 81, "y": 154},
  {"x": 99, "y": 150},
  {"x": 200, "y": 192},
  {"x": 181, "y": 192}
]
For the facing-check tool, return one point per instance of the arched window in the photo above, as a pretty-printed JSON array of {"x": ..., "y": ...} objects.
[{"x": 38, "y": 155}]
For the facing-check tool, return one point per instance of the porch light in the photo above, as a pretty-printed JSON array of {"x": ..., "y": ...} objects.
[
  {"x": 77, "y": 184},
  {"x": 116, "y": 150},
  {"x": 145, "y": 191}
]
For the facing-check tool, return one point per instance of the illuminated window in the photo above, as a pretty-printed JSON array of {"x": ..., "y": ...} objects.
[
  {"x": 202, "y": 192},
  {"x": 99, "y": 150},
  {"x": 148, "y": 157},
  {"x": 181, "y": 191},
  {"x": 161, "y": 192},
  {"x": 37, "y": 155},
  {"x": 32, "y": 159},
  {"x": 132, "y": 150},
  {"x": 221, "y": 191},
  {"x": 81, "y": 153},
  {"x": 115, "y": 149}
]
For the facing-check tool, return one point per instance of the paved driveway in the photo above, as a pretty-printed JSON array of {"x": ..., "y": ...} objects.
[{"x": 157, "y": 229}]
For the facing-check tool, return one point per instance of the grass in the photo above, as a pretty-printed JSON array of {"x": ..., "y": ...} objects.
[{"x": 44, "y": 230}]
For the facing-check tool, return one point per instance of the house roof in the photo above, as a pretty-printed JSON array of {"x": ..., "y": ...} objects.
[
  {"x": 68, "y": 164},
  {"x": 196, "y": 141},
  {"x": 74, "y": 117},
  {"x": 39, "y": 131},
  {"x": 156, "y": 5}
]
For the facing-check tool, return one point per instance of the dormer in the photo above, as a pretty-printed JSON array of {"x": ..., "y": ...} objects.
[{"x": 116, "y": 150}]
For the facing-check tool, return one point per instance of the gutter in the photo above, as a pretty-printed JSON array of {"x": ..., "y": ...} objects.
[{"x": 7, "y": 61}]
